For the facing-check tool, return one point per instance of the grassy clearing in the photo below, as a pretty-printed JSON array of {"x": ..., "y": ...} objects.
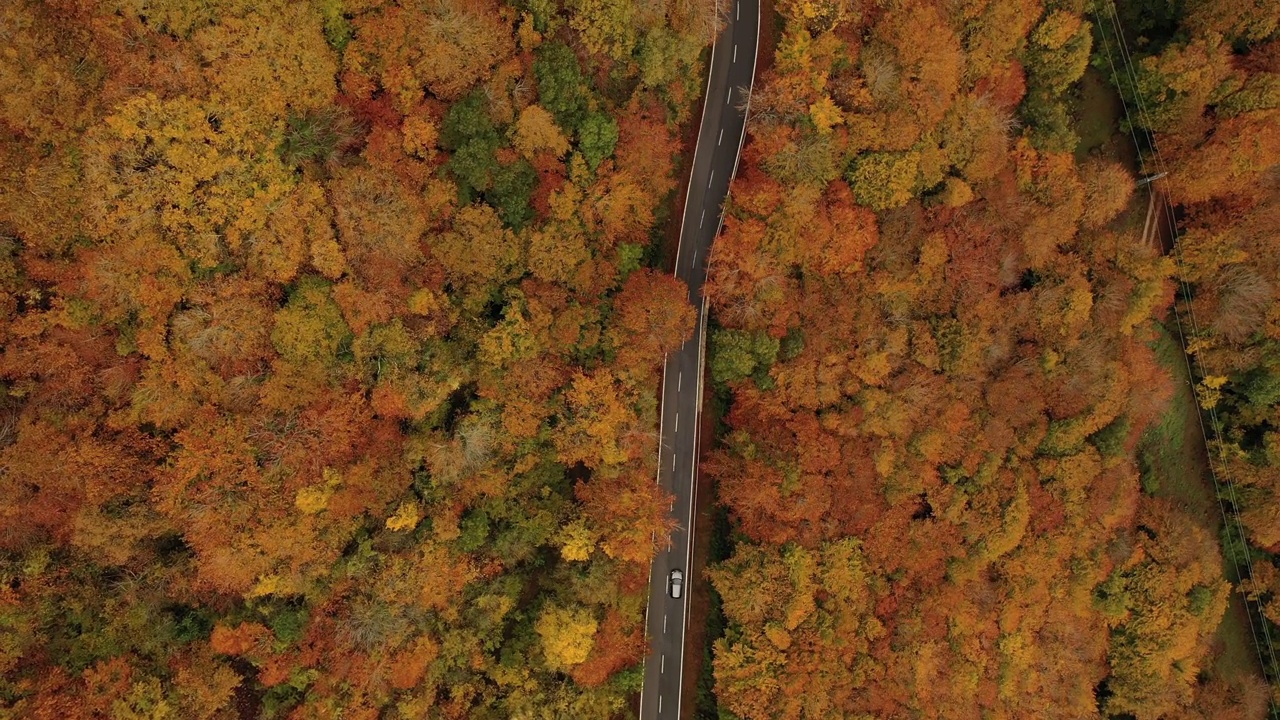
[
  {"x": 1171, "y": 453},
  {"x": 1238, "y": 657},
  {"x": 1174, "y": 466},
  {"x": 1096, "y": 117}
]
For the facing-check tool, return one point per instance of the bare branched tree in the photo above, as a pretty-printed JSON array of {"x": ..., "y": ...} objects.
[{"x": 1243, "y": 299}]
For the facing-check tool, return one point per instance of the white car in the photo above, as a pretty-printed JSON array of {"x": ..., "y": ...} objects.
[{"x": 675, "y": 583}]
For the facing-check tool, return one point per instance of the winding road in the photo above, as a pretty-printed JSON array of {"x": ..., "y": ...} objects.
[{"x": 715, "y": 160}]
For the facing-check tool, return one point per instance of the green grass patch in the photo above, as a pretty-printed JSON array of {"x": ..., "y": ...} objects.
[
  {"x": 1172, "y": 464},
  {"x": 1171, "y": 456},
  {"x": 1097, "y": 111},
  {"x": 1239, "y": 657}
]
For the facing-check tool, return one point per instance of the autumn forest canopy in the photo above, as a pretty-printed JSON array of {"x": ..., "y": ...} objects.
[
  {"x": 950, "y": 366},
  {"x": 331, "y": 339},
  {"x": 331, "y": 333}
]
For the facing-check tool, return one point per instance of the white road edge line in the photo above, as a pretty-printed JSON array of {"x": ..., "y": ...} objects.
[
  {"x": 657, "y": 480},
  {"x": 702, "y": 335},
  {"x": 657, "y": 476},
  {"x": 688, "y": 190},
  {"x": 693, "y": 496}
]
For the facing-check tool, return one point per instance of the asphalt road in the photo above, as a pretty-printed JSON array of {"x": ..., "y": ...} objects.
[{"x": 714, "y": 162}]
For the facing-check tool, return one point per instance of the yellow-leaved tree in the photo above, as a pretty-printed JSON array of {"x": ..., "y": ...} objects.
[
  {"x": 536, "y": 130},
  {"x": 567, "y": 634}
]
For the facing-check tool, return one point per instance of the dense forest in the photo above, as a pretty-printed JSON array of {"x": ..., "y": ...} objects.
[
  {"x": 330, "y": 336},
  {"x": 938, "y": 347}
]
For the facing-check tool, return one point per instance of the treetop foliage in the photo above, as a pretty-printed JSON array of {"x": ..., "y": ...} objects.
[
  {"x": 328, "y": 354},
  {"x": 936, "y": 340}
]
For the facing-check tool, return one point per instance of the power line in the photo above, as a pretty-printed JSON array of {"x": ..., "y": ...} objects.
[
  {"x": 1215, "y": 423},
  {"x": 1263, "y": 644},
  {"x": 1162, "y": 167}
]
